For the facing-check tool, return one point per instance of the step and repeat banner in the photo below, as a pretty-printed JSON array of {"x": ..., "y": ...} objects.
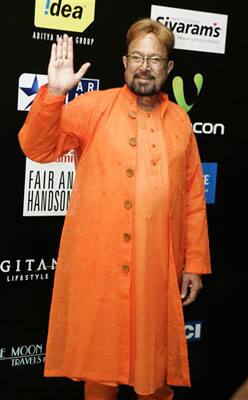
[{"x": 34, "y": 197}]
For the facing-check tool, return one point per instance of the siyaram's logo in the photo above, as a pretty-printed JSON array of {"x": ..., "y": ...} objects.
[
  {"x": 69, "y": 15},
  {"x": 194, "y": 30},
  {"x": 178, "y": 90}
]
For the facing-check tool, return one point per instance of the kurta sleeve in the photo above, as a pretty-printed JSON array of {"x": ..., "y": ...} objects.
[
  {"x": 197, "y": 257},
  {"x": 52, "y": 128}
]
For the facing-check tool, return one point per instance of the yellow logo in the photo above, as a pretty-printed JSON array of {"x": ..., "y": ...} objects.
[{"x": 68, "y": 15}]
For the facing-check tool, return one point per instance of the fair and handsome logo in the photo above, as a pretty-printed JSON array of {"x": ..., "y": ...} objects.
[
  {"x": 194, "y": 30},
  {"x": 48, "y": 186},
  {"x": 68, "y": 15},
  {"x": 29, "y": 85},
  {"x": 210, "y": 177}
]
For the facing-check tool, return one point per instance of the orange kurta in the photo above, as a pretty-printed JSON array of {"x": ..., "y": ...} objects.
[
  {"x": 150, "y": 272},
  {"x": 136, "y": 220}
]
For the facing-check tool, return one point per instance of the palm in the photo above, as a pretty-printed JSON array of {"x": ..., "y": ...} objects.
[{"x": 61, "y": 75}]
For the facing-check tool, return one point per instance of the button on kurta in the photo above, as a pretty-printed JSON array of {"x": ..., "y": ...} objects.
[
  {"x": 133, "y": 114},
  {"x": 129, "y": 172},
  {"x": 133, "y": 141},
  {"x": 125, "y": 268},
  {"x": 126, "y": 237},
  {"x": 128, "y": 204}
]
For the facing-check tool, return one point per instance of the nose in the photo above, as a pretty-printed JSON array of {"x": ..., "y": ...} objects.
[{"x": 145, "y": 65}]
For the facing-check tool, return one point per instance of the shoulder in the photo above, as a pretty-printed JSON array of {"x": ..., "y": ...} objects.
[
  {"x": 93, "y": 101},
  {"x": 179, "y": 117},
  {"x": 178, "y": 112},
  {"x": 99, "y": 95}
]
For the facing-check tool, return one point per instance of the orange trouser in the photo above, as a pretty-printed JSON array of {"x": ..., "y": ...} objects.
[{"x": 97, "y": 391}]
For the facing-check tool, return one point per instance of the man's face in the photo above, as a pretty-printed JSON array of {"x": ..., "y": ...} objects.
[{"x": 146, "y": 78}]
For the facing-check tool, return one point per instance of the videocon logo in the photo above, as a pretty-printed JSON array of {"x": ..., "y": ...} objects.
[
  {"x": 68, "y": 15},
  {"x": 178, "y": 90}
]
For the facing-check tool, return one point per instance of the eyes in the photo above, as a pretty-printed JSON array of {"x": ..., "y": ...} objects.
[{"x": 154, "y": 61}]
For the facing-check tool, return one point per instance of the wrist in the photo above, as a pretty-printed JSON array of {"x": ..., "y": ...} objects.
[{"x": 56, "y": 92}]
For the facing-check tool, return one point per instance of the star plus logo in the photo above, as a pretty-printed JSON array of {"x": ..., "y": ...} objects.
[{"x": 29, "y": 85}]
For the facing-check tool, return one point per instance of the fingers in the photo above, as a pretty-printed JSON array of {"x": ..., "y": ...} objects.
[
  {"x": 63, "y": 49},
  {"x": 53, "y": 52},
  {"x": 191, "y": 285},
  {"x": 61, "y": 75},
  {"x": 191, "y": 296},
  {"x": 59, "y": 48},
  {"x": 184, "y": 289},
  {"x": 81, "y": 72},
  {"x": 70, "y": 49}
]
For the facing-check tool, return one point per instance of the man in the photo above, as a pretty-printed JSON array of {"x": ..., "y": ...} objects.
[{"x": 135, "y": 241}]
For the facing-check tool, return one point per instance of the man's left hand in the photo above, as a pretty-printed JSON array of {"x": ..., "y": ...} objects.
[{"x": 191, "y": 285}]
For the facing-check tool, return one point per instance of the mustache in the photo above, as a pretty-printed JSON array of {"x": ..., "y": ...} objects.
[{"x": 143, "y": 75}]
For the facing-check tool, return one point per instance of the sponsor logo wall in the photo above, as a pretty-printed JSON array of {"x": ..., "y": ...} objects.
[{"x": 31, "y": 237}]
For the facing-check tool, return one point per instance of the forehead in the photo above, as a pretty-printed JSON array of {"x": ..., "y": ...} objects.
[{"x": 147, "y": 44}]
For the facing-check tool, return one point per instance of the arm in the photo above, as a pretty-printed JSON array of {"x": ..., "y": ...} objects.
[
  {"x": 197, "y": 257},
  {"x": 52, "y": 128}
]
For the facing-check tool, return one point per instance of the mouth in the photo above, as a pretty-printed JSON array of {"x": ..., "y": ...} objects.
[{"x": 144, "y": 77}]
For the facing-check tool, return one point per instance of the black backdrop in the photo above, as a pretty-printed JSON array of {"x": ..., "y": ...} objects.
[{"x": 218, "y": 356}]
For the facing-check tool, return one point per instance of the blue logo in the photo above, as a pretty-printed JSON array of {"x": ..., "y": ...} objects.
[
  {"x": 210, "y": 175},
  {"x": 29, "y": 85},
  {"x": 85, "y": 85},
  {"x": 193, "y": 330}
]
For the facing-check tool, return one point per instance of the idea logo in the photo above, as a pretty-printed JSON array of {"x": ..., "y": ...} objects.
[{"x": 68, "y": 15}]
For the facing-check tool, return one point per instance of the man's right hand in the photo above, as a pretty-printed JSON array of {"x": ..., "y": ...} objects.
[{"x": 61, "y": 75}]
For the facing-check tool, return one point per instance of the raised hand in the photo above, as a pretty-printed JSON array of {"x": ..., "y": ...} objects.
[{"x": 61, "y": 75}]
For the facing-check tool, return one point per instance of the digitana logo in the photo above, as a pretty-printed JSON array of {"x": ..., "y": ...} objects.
[
  {"x": 69, "y": 15},
  {"x": 178, "y": 90}
]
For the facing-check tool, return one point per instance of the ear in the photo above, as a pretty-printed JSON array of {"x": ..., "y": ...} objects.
[
  {"x": 170, "y": 66},
  {"x": 124, "y": 60}
]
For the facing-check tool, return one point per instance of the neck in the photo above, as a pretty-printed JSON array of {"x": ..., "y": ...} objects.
[{"x": 148, "y": 103}]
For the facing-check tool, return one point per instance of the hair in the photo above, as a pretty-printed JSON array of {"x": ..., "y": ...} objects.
[{"x": 146, "y": 25}]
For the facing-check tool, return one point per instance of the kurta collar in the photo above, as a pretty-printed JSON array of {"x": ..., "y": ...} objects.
[{"x": 132, "y": 98}]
